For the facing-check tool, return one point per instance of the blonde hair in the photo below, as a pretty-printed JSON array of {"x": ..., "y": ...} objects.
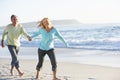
[{"x": 41, "y": 22}]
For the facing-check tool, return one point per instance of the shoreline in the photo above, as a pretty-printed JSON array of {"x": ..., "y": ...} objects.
[{"x": 80, "y": 56}]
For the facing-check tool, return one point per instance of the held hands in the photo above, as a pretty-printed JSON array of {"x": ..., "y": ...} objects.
[{"x": 29, "y": 38}]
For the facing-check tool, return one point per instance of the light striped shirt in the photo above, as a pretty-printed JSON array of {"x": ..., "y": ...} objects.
[{"x": 13, "y": 34}]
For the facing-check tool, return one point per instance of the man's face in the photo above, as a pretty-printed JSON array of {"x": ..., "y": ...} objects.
[{"x": 14, "y": 20}]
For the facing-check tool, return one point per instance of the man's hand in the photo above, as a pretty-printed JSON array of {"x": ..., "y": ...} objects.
[{"x": 2, "y": 44}]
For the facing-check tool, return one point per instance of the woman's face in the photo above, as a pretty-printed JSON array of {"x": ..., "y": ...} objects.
[{"x": 46, "y": 22}]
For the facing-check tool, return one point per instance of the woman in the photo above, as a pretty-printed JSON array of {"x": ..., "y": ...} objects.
[
  {"x": 13, "y": 32},
  {"x": 46, "y": 46}
]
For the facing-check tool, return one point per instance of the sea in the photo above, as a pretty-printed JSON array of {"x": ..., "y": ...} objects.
[{"x": 100, "y": 43}]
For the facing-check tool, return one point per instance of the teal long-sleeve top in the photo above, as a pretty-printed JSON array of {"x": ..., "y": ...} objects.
[{"x": 47, "y": 40}]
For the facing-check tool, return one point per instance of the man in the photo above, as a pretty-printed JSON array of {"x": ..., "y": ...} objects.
[{"x": 13, "y": 32}]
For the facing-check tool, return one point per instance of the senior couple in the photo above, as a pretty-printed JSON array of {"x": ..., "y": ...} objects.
[{"x": 13, "y": 32}]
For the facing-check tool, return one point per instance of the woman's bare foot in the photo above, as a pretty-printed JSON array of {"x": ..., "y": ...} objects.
[{"x": 37, "y": 75}]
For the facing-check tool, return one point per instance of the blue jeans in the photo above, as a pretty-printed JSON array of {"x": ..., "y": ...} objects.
[
  {"x": 14, "y": 53},
  {"x": 41, "y": 54}
]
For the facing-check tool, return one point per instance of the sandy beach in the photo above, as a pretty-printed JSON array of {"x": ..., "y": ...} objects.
[{"x": 65, "y": 70}]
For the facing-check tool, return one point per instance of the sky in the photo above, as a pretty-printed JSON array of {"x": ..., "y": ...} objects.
[{"x": 85, "y": 11}]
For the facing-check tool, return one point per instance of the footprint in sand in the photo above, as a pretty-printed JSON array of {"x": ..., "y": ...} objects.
[{"x": 92, "y": 78}]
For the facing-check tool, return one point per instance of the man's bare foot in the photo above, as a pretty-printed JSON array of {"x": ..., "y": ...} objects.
[
  {"x": 21, "y": 74},
  {"x": 11, "y": 72},
  {"x": 56, "y": 79}
]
